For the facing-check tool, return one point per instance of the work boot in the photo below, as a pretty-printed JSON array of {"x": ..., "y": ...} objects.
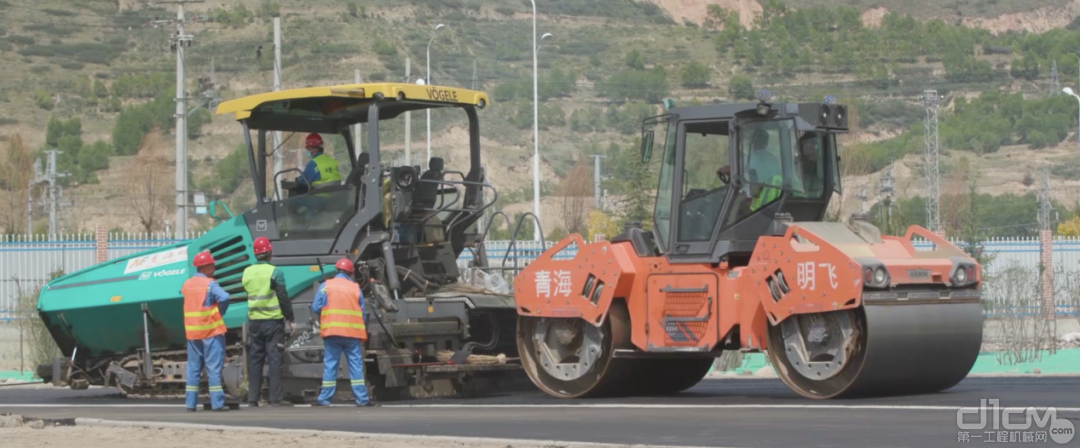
[
  {"x": 281, "y": 404},
  {"x": 253, "y": 404},
  {"x": 370, "y": 404}
]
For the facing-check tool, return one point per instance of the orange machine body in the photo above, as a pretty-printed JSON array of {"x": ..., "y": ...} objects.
[{"x": 688, "y": 307}]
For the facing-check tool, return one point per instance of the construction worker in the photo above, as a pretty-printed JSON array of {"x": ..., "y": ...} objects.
[
  {"x": 339, "y": 303},
  {"x": 762, "y": 168},
  {"x": 321, "y": 169},
  {"x": 270, "y": 317},
  {"x": 204, "y": 304}
]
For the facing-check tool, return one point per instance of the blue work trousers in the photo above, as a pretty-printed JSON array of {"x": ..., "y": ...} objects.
[
  {"x": 333, "y": 347},
  {"x": 208, "y": 352}
]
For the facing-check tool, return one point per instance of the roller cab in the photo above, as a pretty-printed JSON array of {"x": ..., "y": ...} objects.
[{"x": 738, "y": 257}]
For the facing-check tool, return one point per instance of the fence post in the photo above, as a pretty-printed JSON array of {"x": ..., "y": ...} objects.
[
  {"x": 101, "y": 245},
  {"x": 1046, "y": 261}
]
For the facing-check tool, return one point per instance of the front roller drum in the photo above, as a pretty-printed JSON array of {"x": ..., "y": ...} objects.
[
  {"x": 570, "y": 358},
  {"x": 893, "y": 348}
]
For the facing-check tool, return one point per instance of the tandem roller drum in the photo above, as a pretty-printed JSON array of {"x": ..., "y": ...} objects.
[{"x": 882, "y": 348}]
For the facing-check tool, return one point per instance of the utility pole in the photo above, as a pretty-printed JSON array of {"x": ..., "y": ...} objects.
[
  {"x": 596, "y": 181},
  {"x": 50, "y": 176},
  {"x": 932, "y": 151},
  {"x": 887, "y": 189},
  {"x": 1046, "y": 257},
  {"x": 408, "y": 118},
  {"x": 279, "y": 157},
  {"x": 179, "y": 41},
  {"x": 357, "y": 130},
  {"x": 861, "y": 195},
  {"x": 1055, "y": 84},
  {"x": 30, "y": 208}
]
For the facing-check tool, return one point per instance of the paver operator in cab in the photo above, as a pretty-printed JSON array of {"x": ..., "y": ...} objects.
[{"x": 321, "y": 169}]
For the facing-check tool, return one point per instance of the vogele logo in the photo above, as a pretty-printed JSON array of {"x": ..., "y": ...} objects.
[
  {"x": 1012, "y": 424},
  {"x": 162, "y": 273}
]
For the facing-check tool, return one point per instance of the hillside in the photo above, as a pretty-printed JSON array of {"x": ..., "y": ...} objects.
[{"x": 104, "y": 64}]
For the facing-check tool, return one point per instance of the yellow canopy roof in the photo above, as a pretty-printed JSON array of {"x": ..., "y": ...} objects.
[{"x": 328, "y": 98}]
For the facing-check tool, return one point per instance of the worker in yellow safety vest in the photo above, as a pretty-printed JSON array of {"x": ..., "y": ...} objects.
[
  {"x": 339, "y": 303},
  {"x": 204, "y": 304},
  {"x": 270, "y": 318},
  {"x": 321, "y": 169}
]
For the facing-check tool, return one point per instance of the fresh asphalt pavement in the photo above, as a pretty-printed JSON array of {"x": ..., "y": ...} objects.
[{"x": 724, "y": 412}]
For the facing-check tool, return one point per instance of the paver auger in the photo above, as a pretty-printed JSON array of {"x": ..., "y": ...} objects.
[{"x": 739, "y": 258}]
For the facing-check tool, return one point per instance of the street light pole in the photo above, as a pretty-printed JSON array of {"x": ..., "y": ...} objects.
[
  {"x": 1069, "y": 92},
  {"x": 427, "y": 80}
]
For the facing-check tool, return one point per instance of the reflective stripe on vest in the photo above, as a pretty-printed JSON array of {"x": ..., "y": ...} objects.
[
  {"x": 767, "y": 194},
  {"x": 200, "y": 322},
  {"x": 262, "y": 300},
  {"x": 327, "y": 168},
  {"x": 342, "y": 315}
]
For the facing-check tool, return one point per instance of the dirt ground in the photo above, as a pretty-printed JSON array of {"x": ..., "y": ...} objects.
[{"x": 103, "y": 437}]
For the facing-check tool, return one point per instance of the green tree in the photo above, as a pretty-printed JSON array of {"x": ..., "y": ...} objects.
[
  {"x": 100, "y": 90},
  {"x": 741, "y": 87},
  {"x": 43, "y": 100},
  {"x": 648, "y": 85},
  {"x": 230, "y": 171},
  {"x": 95, "y": 156},
  {"x": 53, "y": 131},
  {"x": 131, "y": 125},
  {"x": 196, "y": 120},
  {"x": 634, "y": 60},
  {"x": 695, "y": 75}
]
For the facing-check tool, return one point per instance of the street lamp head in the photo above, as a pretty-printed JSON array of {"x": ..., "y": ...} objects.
[
  {"x": 1068, "y": 91},
  {"x": 439, "y": 27},
  {"x": 547, "y": 35}
]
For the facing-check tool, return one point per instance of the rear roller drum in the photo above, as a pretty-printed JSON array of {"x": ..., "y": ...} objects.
[
  {"x": 570, "y": 358},
  {"x": 877, "y": 350}
]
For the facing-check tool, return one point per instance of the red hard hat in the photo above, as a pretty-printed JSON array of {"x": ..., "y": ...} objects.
[
  {"x": 203, "y": 258},
  {"x": 261, "y": 245},
  {"x": 344, "y": 265},
  {"x": 313, "y": 140}
]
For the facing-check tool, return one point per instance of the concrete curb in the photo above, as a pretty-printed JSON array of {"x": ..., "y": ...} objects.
[{"x": 353, "y": 435}]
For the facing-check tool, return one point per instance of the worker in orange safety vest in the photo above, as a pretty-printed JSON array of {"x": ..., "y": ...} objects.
[
  {"x": 339, "y": 303},
  {"x": 204, "y": 304}
]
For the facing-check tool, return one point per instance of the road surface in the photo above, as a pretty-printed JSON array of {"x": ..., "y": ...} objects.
[{"x": 716, "y": 412}]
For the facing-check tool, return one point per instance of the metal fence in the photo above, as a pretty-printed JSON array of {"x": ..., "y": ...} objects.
[{"x": 26, "y": 262}]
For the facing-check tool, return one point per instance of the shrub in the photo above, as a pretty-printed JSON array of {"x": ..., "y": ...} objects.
[
  {"x": 740, "y": 87},
  {"x": 384, "y": 48},
  {"x": 650, "y": 86},
  {"x": 58, "y": 12},
  {"x": 695, "y": 75},
  {"x": 20, "y": 40},
  {"x": 71, "y": 65},
  {"x": 43, "y": 100}
]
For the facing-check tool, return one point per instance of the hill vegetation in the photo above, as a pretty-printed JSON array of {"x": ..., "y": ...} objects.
[{"x": 87, "y": 71}]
